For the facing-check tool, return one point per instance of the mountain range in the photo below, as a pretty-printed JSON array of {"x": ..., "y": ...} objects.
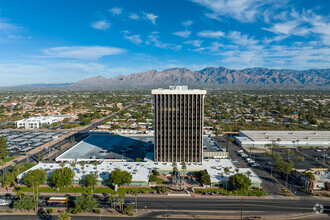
[
  {"x": 212, "y": 76},
  {"x": 207, "y": 77}
]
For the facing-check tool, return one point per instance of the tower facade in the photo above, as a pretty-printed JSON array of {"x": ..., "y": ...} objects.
[{"x": 178, "y": 124}]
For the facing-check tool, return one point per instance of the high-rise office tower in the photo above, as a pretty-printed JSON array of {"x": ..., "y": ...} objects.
[{"x": 178, "y": 124}]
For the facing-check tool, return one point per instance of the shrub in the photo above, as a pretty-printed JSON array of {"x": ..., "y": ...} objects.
[
  {"x": 300, "y": 148},
  {"x": 97, "y": 211},
  {"x": 49, "y": 211},
  {"x": 74, "y": 211}
]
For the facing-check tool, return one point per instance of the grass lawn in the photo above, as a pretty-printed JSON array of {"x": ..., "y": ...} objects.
[
  {"x": 83, "y": 190},
  {"x": 5, "y": 160},
  {"x": 160, "y": 181}
]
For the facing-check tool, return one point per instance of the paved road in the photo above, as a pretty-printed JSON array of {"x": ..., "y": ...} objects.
[
  {"x": 253, "y": 207},
  {"x": 80, "y": 135},
  {"x": 268, "y": 184}
]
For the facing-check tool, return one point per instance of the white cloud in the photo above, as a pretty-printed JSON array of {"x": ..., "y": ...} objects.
[
  {"x": 187, "y": 23},
  {"x": 101, "y": 25},
  {"x": 82, "y": 52},
  {"x": 10, "y": 31},
  {"x": 195, "y": 43},
  {"x": 134, "y": 16},
  {"x": 184, "y": 34},
  {"x": 151, "y": 17},
  {"x": 240, "y": 39},
  {"x": 242, "y": 10},
  {"x": 153, "y": 40},
  {"x": 211, "y": 34},
  {"x": 283, "y": 28},
  {"x": 116, "y": 11},
  {"x": 136, "y": 39}
]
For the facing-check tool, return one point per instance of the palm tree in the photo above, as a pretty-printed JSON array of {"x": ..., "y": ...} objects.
[
  {"x": 308, "y": 176},
  {"x": 73, "y": 165},
  {"x": 19, "y": 192},
  {"x": 278, "y": 141},
  {"x": 62, "y": 165},
  {"x": 135, "y": 193},
  {"x": 184, "y": 168},
  {"x": 95, "y": 163},
  {"x": 64, "y": 216},
  {"x": 248, "y": 174},
  {"x": 226, "y": 170},
  {"x": 82, "y": 164},
  {"x": 175, "y": 169},
  {"x": 121, "y": 199}
]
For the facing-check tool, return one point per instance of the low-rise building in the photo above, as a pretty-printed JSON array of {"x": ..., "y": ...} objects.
[
  {"x": 141, "y": 171},
  {"x": 35, "y": 122},
  {"x": 255, "y": 138},
  {"x": 321, "y": 182}
]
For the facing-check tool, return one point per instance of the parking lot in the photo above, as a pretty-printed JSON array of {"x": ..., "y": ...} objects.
[
  {"x": 268, "y": 183},
  {"x": 23, "y": 141}
]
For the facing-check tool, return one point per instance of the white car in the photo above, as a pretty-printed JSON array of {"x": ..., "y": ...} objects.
[
  {"x": 255, "y": 165},
  {"x": 240, "y": 151},
  {"x": 3, "y": 202},
  {"x": 244, "y": 155}
]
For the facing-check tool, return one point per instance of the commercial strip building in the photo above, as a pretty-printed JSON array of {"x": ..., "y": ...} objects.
[
  {"x": 35, "y": 122},
  {"x": 141, "y": 171},
  {"x": 178, "y": 123},
  {"x": 283, "y": 138},
  {"x": 322, "y": 178}
]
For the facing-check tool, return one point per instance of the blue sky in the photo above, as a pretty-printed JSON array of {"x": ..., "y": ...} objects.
[{"x": 57, "y": 41}]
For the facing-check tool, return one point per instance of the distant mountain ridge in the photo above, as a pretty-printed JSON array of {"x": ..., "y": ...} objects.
[{"x": 212, "y": 76}]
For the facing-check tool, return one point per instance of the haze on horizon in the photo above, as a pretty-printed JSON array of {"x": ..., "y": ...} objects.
[{"x": 60, "y": 41}]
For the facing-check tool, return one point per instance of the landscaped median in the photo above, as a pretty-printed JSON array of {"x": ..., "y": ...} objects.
[{"x": 253, "y": 192}]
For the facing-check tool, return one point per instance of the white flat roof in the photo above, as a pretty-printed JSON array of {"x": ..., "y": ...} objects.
[
  {"x": 141, "y": 171},
  {"x": 287, "y": 135},
  {"x": 177, "y": 90}
]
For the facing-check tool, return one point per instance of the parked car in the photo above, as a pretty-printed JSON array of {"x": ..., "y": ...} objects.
[
  {"x": 3, "y": 202},
  {"x": 130, "y": 203},
  {"x": 244, "y": 155},
  {"x": 240, "y": 151},
  {"x": 269, "y": 163},
  {"x": 255, "y": 165}
]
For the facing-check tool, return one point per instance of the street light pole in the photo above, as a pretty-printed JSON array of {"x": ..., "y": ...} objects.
[{"x": 242, "y": 208}]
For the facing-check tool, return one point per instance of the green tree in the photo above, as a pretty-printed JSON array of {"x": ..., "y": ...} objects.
[
  {"x": 226, "y": 170},
  {"x": 63, "y": 216},
  {"x": 284, "y": 167},
  {"x": 202, "y": 177},
  {"x": 118, "y": 177},
  {"x": 289, "y": 153},
  {"x": 27, "y": 202},
  {"x": 86, "y": 203},
  {"x": 239, "y": 181},
  {"x": 3, "y": 146},
  {"x": 19, "y": 192},
  {"x": 62, "y": 177},
  {"x": 184, "y": 168},
  {"x": 308, "y": 177},
  {"x": 175, "y": 170},
  {"x": 35, "y": 177},
  {"x": 9, "y": 179},
  {"x": 90, "y": 180},
  {"x": 301, "y": 159},
  {"x": 138, "y": 159}
]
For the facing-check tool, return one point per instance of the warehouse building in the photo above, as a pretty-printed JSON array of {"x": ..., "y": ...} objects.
[{"x": 283, "y": 138}]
